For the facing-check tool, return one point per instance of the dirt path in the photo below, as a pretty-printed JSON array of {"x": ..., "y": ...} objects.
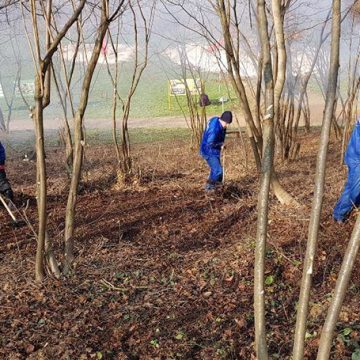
[
  {"x": 163, "y": 122},
  {"x": 159, "y": 122}
]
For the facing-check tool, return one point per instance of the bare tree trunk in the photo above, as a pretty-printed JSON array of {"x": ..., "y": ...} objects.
[
  {"x": 65, "y": 132},
  {"x": 227, "y": 12},
  {"x": 342, "y": 284},
  {"x": 242, "y": 141},
  {"x": 40, "y": 181},
  {"x": 42, "y": 99},
  {"x": 197, "y": 113},
  {"x": 68, "y": 97},
  {"x": 116, "y": 96},
  {"x": 302, "y": 312},
  {"x": 72, "y": 197},
  {"x": 9, "y": 103},
  {"x": 348, "y": 116},
  {"x": 125, "y": 144},
  {"x": 138, "y": 70},
  {"x": 234, "y": 73},
  {"x": 114, "y": 107},
  {"x": 263, "y": 197},
  {"x": 54, "y": 268},
  {"x": 280, "y": 59},
  {"x": 78, "y": 132},
  {"x": 79, "y": 140},
  {"x": 303, "y": 89},
  {"x": 282, "y": 195}
]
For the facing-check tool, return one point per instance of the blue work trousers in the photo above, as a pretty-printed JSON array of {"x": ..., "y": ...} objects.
[
  {"x": 216, "y": 170},
  {"x": 350, "y": 197}
]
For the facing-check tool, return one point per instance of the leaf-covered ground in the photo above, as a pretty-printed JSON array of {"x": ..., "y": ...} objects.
[{"x": 164, "y": 271}]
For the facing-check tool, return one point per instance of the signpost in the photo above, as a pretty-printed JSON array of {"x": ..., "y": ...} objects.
[{"x": 177, "y": 87}]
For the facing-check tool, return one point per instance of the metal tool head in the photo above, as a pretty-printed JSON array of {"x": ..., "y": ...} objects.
[{"x": 16, "y": 224}]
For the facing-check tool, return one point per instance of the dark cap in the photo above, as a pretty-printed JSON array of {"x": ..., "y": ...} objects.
[{"x": 226, "y": 117}]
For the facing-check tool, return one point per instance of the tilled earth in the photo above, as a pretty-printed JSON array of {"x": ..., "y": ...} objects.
[{"x": 164, "y": 271}]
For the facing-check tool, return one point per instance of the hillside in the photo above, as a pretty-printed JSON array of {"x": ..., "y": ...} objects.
[{"x": 164, "y": 271}]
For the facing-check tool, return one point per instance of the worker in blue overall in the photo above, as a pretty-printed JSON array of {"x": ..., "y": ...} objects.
[
  {"x": 350, "y": 197},
  {"x": 211, "y": 146}
]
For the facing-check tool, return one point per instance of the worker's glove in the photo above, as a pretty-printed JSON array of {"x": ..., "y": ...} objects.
[
  {"x": 9, "y": 194},
  {"x": 5, "y": 188}
]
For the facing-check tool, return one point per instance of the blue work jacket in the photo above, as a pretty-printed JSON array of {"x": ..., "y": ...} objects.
[
  {"x": 213, "y": 138},
  {"x": 352, "y": 155},
  {"x": 2, "y": 154}
]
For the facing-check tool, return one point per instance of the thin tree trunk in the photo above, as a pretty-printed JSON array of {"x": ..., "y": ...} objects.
[
  {"x": 282, "y": 195},
  {"x": 79, "y": 142},
  {"x": 114, "y": 107},
  {"x": 263, "y": 198},
  {"x": 116, "y": 96},
  {"x": 281, "y": 58},
  {"x": 242, "y": 141},
  {"x": 233, "y": 69},
  {"x": 339, "y": 294},
  {"x": 348, "y": 116},
  {"x": 138, "y": 70},
  {"x": 54, "y": 268},
  {"x": 40, "y": 181},
  {"x": 298, "y": 350},
  {"x": 72, "y": 197},
  {"x": 66, "y": 130},
  {"x": 42, "y": 99},
  {"x": 305, "y": 82}
]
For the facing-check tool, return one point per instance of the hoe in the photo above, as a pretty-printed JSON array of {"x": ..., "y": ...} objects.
[{"x": 15, "y": 223}]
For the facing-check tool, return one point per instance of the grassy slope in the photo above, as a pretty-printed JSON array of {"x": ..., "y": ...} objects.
[{"x": 150, "y": 99}]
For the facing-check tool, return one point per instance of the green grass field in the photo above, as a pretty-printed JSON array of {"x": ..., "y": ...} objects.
[
  {"x": 139, "y": 135},
  {"x": 22, "y": 141},
  {"x": 150, "y": 100}
]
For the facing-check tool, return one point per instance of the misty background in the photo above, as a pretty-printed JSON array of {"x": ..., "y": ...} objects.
[{"x": 175, "y": 31}]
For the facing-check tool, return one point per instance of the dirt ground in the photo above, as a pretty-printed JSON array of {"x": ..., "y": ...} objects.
[
  {"x": 164, "y": 271},
  {"x": 316, "y": 106}
]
